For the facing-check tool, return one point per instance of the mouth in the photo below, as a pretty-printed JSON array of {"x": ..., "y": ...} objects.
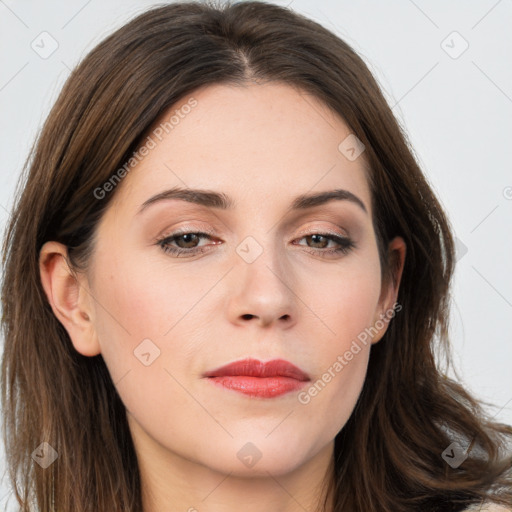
[{"x": 254, "y": 378}]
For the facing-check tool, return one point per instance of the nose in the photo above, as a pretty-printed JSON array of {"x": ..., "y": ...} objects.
[{"x": 263, "y": 292}]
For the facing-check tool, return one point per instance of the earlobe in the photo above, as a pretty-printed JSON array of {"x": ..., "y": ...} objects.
[
  {"x": 68, "y": 298},
  {"x": 389, "y": 293}
]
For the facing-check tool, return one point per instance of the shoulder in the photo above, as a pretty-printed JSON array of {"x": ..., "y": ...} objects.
[{"x": 490, "y": 507}]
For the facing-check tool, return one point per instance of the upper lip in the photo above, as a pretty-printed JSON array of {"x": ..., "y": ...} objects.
[{"x": 254, "y": 368}]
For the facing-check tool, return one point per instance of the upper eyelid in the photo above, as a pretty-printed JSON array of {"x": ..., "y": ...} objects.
[
  {"x": 343, "y": 231},
  {"x": 324, "y": 231}
]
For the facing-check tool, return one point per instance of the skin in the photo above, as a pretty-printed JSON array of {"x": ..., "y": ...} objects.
[{"x": 263, "y": 145}]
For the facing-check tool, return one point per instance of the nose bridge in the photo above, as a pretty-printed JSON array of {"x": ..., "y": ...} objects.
[
  {"x": 262, "y": 261},
  {"x": 263, "y": 280}
]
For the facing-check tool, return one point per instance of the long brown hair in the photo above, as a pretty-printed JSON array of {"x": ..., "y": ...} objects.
[{"x": 388, "y": 456}]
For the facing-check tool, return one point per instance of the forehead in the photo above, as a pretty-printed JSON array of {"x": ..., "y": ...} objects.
[{"x": 259, "y": 142}]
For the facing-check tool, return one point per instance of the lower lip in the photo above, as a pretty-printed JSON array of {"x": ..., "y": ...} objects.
[{"x": 265, "y": 387}]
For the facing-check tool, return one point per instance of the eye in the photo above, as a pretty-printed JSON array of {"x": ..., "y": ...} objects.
[
  {"x": 187, "y": 243},
  {"x": 321, "y": 240}
]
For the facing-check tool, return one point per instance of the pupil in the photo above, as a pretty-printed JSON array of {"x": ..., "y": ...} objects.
[
  {"x": 188, "y": 238},
  {"x": 316, "y": 239}
]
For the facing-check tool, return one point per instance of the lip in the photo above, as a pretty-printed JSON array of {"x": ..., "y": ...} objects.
[{"x": 254, "y": 378}]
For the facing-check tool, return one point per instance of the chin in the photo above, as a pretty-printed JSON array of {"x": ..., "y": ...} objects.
[{"x": 261, "y": 456}]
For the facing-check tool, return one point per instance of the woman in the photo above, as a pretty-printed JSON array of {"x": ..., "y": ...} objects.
[{"x": 223, "y": 279}]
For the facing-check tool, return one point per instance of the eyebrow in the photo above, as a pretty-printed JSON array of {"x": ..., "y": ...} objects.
[{"x": 212, "y": 199}]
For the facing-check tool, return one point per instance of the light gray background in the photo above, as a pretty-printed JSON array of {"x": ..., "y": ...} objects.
[{"x": 456, "y": 107}]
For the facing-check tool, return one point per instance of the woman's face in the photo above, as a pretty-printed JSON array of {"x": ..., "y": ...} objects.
[{"x": 264, "y": 283}]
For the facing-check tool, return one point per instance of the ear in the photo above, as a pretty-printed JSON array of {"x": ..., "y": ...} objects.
[
  {"x": 69, "y": 297},
  {"x": 397, "y": 249}
]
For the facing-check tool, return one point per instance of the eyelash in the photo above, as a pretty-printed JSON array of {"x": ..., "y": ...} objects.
[{"x": 345, "y": 244}]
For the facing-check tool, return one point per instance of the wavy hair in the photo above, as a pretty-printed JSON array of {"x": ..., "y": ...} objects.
[{"x": 388, "y": 456}]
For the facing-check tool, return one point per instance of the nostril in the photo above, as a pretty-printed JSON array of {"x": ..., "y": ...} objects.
[{"x": 248, "y": 316}]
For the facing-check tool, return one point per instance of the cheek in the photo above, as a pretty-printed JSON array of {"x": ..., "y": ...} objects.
[
  {"x": 347, "y": 308},
  {"x": 345, "y": 304},
  {"x": 141, "y": 322},
  {"x": 332, "y": 396},
  {"x": 138, "y": 302},
  {"x": 148, "y": 317}
]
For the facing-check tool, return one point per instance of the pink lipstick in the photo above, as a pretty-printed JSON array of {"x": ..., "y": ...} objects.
[{"x": 254, "y": 378}]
